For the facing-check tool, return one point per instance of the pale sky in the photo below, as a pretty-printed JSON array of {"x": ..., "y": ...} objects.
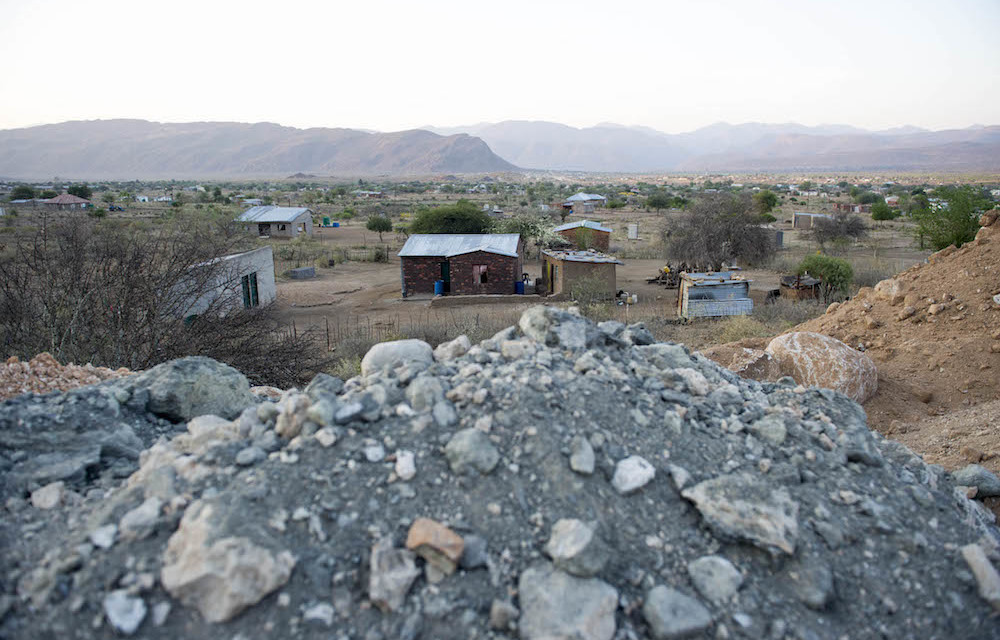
[{"x": 378, "y": 64}]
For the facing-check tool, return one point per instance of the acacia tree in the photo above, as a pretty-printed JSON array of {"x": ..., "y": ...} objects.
[
  {"x": 380, "y": 224},
  {"x": 837, "y": 229},
  {"x": 835, "y": 274},
  {"x": 80, "y": 191},
  {"x": 719, "y": 228},
  {"x": 461, "y": 217},
  {"x": 957, "y": 223}
]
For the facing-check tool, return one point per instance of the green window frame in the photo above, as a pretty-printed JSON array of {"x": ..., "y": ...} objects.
[{"x": 250, "y": 295}]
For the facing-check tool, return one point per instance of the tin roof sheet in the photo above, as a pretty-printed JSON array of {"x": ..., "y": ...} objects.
[
  {"x": 454, "y": 244},
  {"x": 589, "y": 224},
  {"x": 594, "y": 257},
  {"x": 272, "y": 214}
]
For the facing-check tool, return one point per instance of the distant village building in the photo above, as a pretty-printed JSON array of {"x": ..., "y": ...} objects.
[
  {"x": 563, "y": 270},
  {"x": 850, "y": 207},
  {"x": 802, "y": 220},
  {"x": 725, "y": 293},
  {"x": 584, "y": 203},
  {"x": 163, "y": 199},
  {"x": 585, "y": 234},
  {"x": 252, "y": 202},
  {"x": 67, "y": 201},
  {"x": 142, "y": 198},
  {"x": 281, "y": 222},
  {"x": 242, "y": 280},
  {"x": 892, "y": 201},
  {"x": 463, "y": 264}
]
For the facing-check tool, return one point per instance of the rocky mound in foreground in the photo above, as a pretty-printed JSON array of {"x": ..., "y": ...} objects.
[{"x": 560, "y": 480}]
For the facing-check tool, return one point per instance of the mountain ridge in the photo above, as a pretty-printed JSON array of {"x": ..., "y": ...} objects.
[{"x": 134, "y": 148}]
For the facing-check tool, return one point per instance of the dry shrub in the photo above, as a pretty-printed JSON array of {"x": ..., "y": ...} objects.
[{"x": 741, "y": 328}]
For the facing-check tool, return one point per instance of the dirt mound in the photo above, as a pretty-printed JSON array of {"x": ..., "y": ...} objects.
[
  {"x": 934, "y": 333},
  {"x": 43, "y": 374},
  {"x": 559, "y": 480}
]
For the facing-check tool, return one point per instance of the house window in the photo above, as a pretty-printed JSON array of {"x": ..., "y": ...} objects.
[
  {"x": 479, "y": 274},
  {"x": 281, "y": 227},
  {"x": 250, "y": 298}
]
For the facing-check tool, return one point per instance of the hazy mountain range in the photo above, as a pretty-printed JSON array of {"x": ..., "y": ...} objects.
[
  {"x": 743, "y": 147},
  {"x": 129, "y": 149},
  {"x": 126, "y": 149}
]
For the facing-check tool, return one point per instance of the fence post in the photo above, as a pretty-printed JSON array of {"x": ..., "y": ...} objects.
[{"x": 326, "y": 320}]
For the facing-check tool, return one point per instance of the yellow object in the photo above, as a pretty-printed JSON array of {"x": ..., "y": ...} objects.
[{"x": 665, "y": 269}]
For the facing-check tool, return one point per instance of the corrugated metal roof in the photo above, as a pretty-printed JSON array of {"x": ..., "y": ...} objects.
[
  {"x": 455, "y": 244},
  {"x": 584, "y": 197},
  {"x": 594, "y": 257},
  {"x": 812, "y": 215},
  {"x": 713, "y": 278},
  {"x": 590, "y": 224},
  {"x": 272, "y": 214}
]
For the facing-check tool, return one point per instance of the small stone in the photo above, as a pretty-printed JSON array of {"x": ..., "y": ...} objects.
[
  {"x": 986, "y": 575},
  {"x": 250, "y": 456},
  {"x": 671, "y": 614},
  {"x": 453, "y": 349},
  {"x": 631, "y": 474},
  {"x": 104, "y": 537},
  {"x": 744, "y": 507},
  {"x": 556, "y": 605},
  {"x": 392, "y": 572},
  {"x": 575, "y": 548},
  {"x": 48, "y": 497},
  {"x": 124, "y": 612},
  {"x": 160, "y": 612},
  {"x": 503, "y": 615},
  {"x": 812, "y": 583},
  {"x": 375, "y": 453},
  {"x": 715, "y": 578},
  {"x": 471, "y": 450},
  {"x": 140, "y": 522},
  {"x": 321, "y": 613},
  {"x": 770, "y": 429},
  {"x": 435, "y": 543},
  {"x": 474, "y": 555},
  {"x": 326, "y": 437},
  {"x": 980, "y": 477},
  {"x": 406, "y": 467},
  {"x": 444, "y": 413},
  {"x": 581, "y": 457}
]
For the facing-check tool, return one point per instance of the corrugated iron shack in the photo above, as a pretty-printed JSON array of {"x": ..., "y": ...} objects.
[
  {"x": 710, "y": 295},
  {"x": 800, "y": 287}
]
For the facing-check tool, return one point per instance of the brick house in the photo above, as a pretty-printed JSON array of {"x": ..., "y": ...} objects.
[
  {"x": 281, "y": 222},
  {"x": 585, "y": 234},
  {"x": 466, "y": 263}
]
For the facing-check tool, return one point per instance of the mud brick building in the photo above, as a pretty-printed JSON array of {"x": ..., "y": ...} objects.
[{"x": 585, "y": 234}]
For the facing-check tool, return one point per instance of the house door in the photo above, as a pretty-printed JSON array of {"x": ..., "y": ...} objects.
[
  {"x": 552, "y": 278},
  {"x": 446, "y": 276}
]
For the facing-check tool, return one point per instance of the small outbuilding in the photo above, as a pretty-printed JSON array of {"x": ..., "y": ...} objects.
[
  {"x": 800, "y": 287},
  {"x": 710, "y": 295},
  {"x": 585, "y": 234},
  {"x": 282, "y": 222},
  {"x": 564, "y": 270},
  {"x": 461, "y": 263},
  {"x": 584, "y": 203},
  {"x": 802, "y": 220},
  {"x": 241, "y": 280}
]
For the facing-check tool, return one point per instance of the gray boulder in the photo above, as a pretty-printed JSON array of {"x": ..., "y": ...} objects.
[
  {"x": 471, "y": 450},
  {"x": 558, "y": 606},
  {"x": 983, "y": 479},
  {"x": 671, "y": 614},
  {"x": 188, "y": 387}
]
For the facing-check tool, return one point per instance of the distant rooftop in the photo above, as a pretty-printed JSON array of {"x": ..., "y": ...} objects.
[
  {"x": 594, "y": 257},
  {"x": 585, "y": 197},
  {"x": 589, "y": 224},
  {"x": 272, "y": 214},
  {"x": 709, "y": 278},
  {"x": 66, "y": 199}
]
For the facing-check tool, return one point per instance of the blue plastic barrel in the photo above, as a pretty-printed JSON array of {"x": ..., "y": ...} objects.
[
  {"x": 439, "y": 287},
  {"x": 336, "y": 224},
  {"x": 519, "y": 287}
]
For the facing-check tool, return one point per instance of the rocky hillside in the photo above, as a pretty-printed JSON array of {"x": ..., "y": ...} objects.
[
  {"x": 559, "y": 480},
  {"x": 129, "y": 149}
]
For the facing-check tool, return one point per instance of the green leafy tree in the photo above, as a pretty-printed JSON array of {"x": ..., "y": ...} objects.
[
  {"x": 379, "y": 224},
  {"x": 868, "y": 197},
  {"x": 881, "y": 211},
  {"x": 836, "y": 274},
  {"x": 80, "y": 191},
  {"x": 48, "y": 193},
  {"x": 22, "y": 192},
  {"x": 806, "y": 185},
  {"x": 462, "y": 217},
  {"x": 765, "y": 200},
  {"x": 659, "y": 201},
  {"x": 956, "y": 223},
  {"x": 108, "y": 197}
]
